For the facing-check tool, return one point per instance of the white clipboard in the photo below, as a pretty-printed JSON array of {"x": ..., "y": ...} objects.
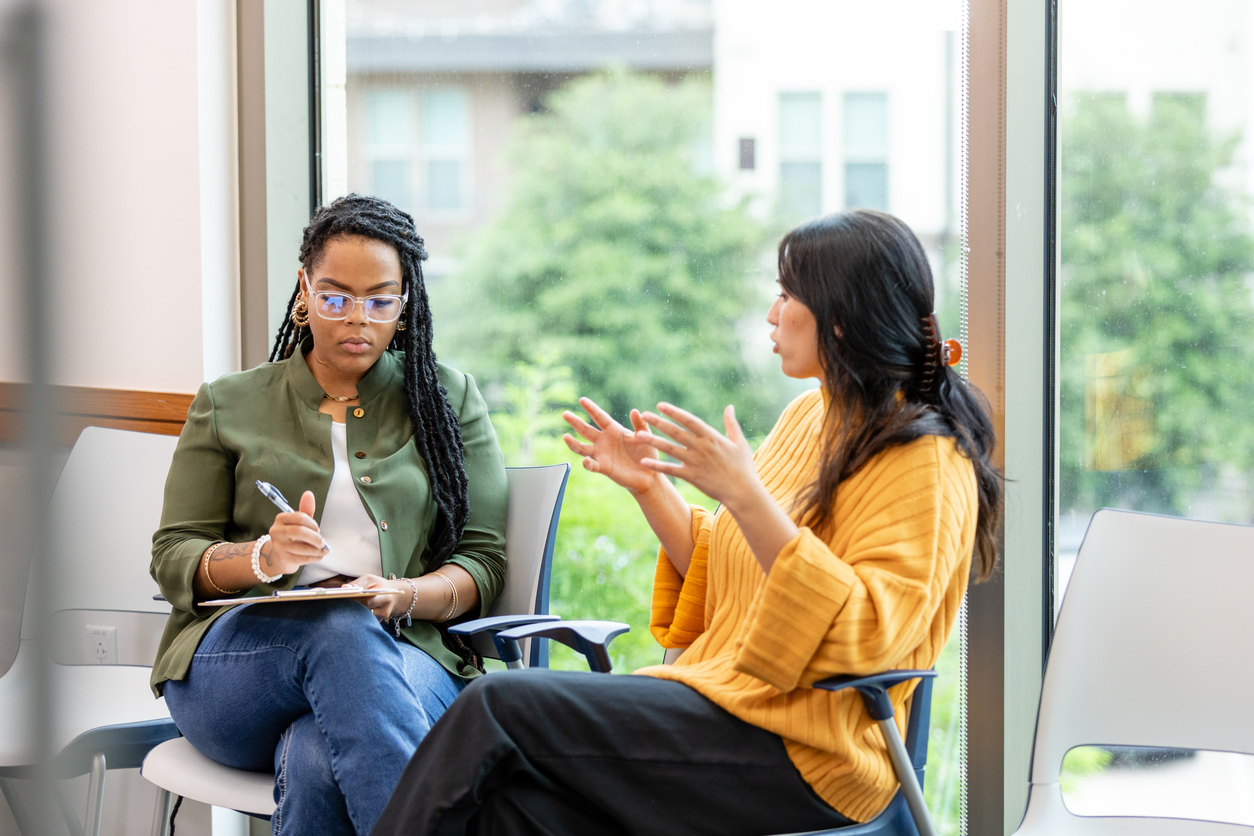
[{"x": 313, "y": 593}]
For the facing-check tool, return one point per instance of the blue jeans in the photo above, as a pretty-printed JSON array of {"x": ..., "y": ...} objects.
[{"x": 322, "y": 694}]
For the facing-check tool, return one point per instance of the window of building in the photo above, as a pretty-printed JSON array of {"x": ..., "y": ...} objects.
[
  {"x": 445, "y": 131},
  {"x": 866, "y": 150},
  {"x": 800, "y": 155},
  {"x": 389, "y": 143}
]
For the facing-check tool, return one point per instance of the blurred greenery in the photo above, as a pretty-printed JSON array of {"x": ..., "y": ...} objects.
[
  {"x": 619, "y": 252},
  {"x": 1157, "y": 321},
  {"x": 1081, "y": 762},
  {"x": 620, "y": 269}
]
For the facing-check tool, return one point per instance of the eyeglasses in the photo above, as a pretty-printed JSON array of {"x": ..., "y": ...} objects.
[{"x": 334, "y": 305}]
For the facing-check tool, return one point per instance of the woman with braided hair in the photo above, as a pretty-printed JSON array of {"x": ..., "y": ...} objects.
[
  {"x": 842, "y": 546},
  {"x": 402, "y": 490}
]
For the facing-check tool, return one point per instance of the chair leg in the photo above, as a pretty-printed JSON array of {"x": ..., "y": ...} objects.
[
  {"x": 226, "y": 822},
  {"x": 95, "y": 796},
  {"x": 161, "y": 815},
  {"x": 68, "y": 814},
  {"x": 25, "y": 825},
  {"x": 905, "y": 775}
]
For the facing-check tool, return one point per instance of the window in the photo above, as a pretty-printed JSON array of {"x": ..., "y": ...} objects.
[
  {"x": 600, "y": 186},
  {"x": 866, "y": 150},
  {"x": 445, "y": 127},
  {"x": 800, "y": 155},
  {"x": 1155, "y": 323},
  {"x": 389, "y": 139}
]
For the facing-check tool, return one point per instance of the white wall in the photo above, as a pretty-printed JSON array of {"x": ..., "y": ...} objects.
[
  {"x": 141, "y": 103},
  {"x": 834, "y": 47}
]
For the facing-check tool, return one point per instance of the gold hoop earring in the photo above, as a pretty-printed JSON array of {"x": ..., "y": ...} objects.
[{"x": 300, "y": 313}]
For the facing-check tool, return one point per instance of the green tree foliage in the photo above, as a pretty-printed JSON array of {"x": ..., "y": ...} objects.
[
  {"x": 1157, "y": 325},
  {"x": 618, "y": 253},
  {"x": 605, "y": 557}
]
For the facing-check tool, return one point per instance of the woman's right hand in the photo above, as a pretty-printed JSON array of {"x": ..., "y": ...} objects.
[
  {"x": 294, "y": 539},
  {"x": 611, "y": 449}
]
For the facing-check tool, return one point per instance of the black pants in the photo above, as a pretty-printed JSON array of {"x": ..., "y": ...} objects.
[{"x": 574, "y": 754}]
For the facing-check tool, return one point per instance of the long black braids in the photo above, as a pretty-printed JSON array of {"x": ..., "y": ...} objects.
[{"x": 437, "y": 432}]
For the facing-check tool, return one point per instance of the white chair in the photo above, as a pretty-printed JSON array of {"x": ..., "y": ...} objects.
[
  {"x": 1151, "y": 649},
  {"x": 535, "y": 502},
  {"x": 108, "y": 503}
]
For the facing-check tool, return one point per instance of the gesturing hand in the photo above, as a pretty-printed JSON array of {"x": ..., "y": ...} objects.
[
  {"x": 720, "y": 466},
  {"x": 612, "y": 449},
  {"x": 294, "y": 539}
]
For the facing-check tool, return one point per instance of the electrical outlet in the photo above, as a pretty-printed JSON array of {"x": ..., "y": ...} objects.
[{"x": 101, "y": 644}]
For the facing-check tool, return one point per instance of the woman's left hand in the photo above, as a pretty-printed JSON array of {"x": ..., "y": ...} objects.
[
  {"x": 384, "y": 607},
  {"x": 720, "y": 466}
]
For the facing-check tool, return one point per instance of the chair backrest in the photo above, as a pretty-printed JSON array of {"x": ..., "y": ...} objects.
[
  {"x": 1147, "y": 651},
  {"x": 535, "y": 503},
  {"x": 106, "y": 505}
]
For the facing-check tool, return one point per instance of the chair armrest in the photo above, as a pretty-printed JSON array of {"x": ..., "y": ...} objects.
[
  {"x": 873, "y": 688},
  {"x": 507, "y": 649},
  {"x": 591, "y": 638}
]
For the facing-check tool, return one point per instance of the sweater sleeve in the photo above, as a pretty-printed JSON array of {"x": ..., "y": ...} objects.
[
  {"x": 679, "y": 600},
  {"x": 865, "y": 610}
]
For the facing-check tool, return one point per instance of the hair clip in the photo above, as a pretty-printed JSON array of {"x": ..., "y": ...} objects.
[{"x": 951, "y": 352}]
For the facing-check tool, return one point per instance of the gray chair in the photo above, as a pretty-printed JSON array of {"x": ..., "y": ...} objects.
[
  {"x": 535, "y": 503},
  {"x": 103, "y": 715}
]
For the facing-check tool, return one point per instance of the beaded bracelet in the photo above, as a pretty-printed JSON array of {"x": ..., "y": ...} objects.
[{"x": 262, "y": 576}]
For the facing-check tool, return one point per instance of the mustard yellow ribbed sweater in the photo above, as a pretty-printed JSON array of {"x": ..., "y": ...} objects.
[{"x": 881, "y": 592}]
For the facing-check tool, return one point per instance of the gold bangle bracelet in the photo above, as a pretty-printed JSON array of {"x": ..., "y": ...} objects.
[
  {"x": 452, "y": 607},
  {"x": 209, "y": 553}
]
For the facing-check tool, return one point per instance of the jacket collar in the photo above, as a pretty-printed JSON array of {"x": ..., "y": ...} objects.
[{"x": 382, "y": 375}]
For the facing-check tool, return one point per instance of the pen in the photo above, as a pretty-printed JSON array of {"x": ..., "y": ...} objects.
[{"x": 272, "y": 493}]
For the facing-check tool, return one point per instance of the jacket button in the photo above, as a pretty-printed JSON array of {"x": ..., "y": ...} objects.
[
  {"x": 365, "y": 480},
  {"x": 358, "y": 412},
  {"x": 384, "y": 525},
  {"x": 359, "y": 454}
]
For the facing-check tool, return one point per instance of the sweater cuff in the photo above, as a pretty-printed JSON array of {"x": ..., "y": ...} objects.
[
  {"x": 793, "y": 611},
  {"x": 678, "y": 615}
]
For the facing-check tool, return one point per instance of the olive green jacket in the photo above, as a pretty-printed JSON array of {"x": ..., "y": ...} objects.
[{"x": 264, "y": 424}]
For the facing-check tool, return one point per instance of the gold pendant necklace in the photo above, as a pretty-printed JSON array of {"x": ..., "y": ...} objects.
[{"x": 339, "y": 399}]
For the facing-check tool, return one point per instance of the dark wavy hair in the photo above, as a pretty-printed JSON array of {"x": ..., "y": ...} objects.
[
  {"x": 437, "y": 432},
  {"x": 865, "y": 277}
]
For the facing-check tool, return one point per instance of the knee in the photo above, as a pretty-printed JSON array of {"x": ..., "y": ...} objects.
[{"x": 504, "y": 696}]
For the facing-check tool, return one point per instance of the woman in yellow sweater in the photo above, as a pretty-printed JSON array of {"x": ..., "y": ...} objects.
[{"x": 843, "y": 545}]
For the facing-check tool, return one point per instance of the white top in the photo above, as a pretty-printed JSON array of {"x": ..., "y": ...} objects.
[{"x": 346, "y": 525}]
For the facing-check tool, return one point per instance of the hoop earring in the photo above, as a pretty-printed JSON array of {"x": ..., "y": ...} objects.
[{"x": 300, "y": 313}]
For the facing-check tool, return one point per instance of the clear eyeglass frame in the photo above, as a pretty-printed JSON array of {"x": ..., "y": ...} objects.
[{"x": 350, "y": 304}]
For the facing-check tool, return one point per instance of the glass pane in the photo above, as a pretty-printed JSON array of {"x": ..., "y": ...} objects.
[
  {"x": 866, "y": 125},
  {"x": 800, "y": 126},
  {"x": 1156, "y": 316},
  {"x": 445, "y": 119},
  {"x": 1159, "y": 783},
  {"x": 387, "y": 120},
  {"x": 388, "y": 181},
  {"x": 866, "y": 184},
  {"x": 800, "y": 190},
  {"x": 611, "y": 232},
  {"x": 444, "y": 184}
]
